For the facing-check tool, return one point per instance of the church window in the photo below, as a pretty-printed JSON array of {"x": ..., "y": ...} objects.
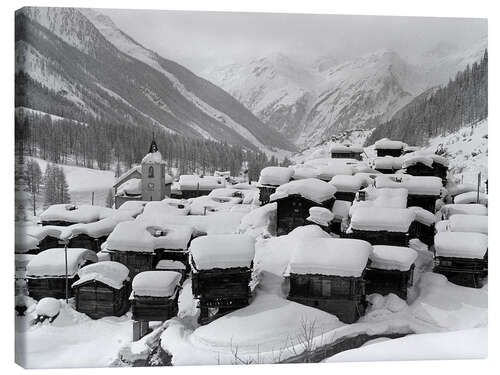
[{"x": 151, "y": 172}]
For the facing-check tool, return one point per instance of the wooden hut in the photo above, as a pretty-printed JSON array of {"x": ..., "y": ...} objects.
[
  {"x": 346, "y": 151},
  {"x": 46, "y": 272},
  {"x": 155, "y": 295},
  {"x": 192, "y": 186},
  {"x": 270, "y": 178},
  {"x": 387, "y": 164},
  {"x": 462, "y": 257},
  {"x": 382, "y": 225},
  {"x": 141, "y": 243},
  {"x": 103, "y": 289},
  {"x": 295, "y": 198},
  {"x": 390, "y": 270},
  {"x": 68, "y": 214},
  {"x": 423, "y": 227},
  {"x": 347, "y": 186},
  {"x": 386, "y": 147},
  {"x": 423, "y": 191},
  {"x": 222, "y": 268},
  {"x": 327, "y": 273},
  {"x": 426, "y": 164}
]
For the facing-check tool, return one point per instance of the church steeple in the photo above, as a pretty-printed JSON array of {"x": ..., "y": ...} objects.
[{"x": 153, "y": 147}]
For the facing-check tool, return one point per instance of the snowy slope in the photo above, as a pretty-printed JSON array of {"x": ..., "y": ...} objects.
[{"x": 107, "y": 74}]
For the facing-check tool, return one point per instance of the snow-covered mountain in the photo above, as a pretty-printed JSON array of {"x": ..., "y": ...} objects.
[
  {"x": 309, "y": 102},
  {"x": 77, "y": 62}
]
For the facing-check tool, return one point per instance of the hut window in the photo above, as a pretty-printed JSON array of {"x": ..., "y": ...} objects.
[{"x": 151, "y": 172}]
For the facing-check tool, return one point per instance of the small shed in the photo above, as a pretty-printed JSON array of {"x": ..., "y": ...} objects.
[
  {"x": 46, "y": 272},
  {"x": 382, "y": 225},
  {"x": 424, "y": 226},
  {"x": 295, "y": 198},
  {"x": 192, "y": 186},
  {"x": 222, "y": 268},
  {"x": 102, "y": 289},
  {"x": 328, "y": 274},
  {"x": 426, "y": 164},
  {"x": 462, "y": 257},
  {"x": 270, "y": 178},
  {"x": 390, "y": 270},
  {"x": 155, "y": 295},
  {"x": 346, "y": 151},
  {"x": 423, "y": 191},
  {"x": 347, "y": 186},
  {"x": 387, "y": 164},
  {"x": 387, "y": 147}
]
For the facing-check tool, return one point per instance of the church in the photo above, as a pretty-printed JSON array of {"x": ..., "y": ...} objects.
[{"x": 145, "y": 182}]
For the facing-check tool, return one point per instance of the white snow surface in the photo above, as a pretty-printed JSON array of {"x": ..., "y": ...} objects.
[
  {"x": 310, "y": 188},
  {"x": 110, "y": 273},
  {"x": 471, "y": 197},
  {"x": 466, "y": 209},
  {"x": 51, "y": 262},
  {"x": 48, "y": 306},
  {"x": 275, "y": 176},
  {"x": 152, "y": 158},
  {"x": 195, "y": 182},
  {"x": 130, "y": 187},
  {"x": 341, "y": 209},
  {"x": 387, "y": 144},
  {"x": 392, "y": 257},
  {"x": 345, "y": 148},
  {"x": 222, "y": 251},
  {"x": 165, "y": 208},
  {"x": 383, "y": 197},
  {"x": 76, "y": 213},
  {"x": 416, "y": 185},
  {"x": 382, "y": 219},
  {"x": 320, "y": 215},
  {"x": 456, "y": 189},
  {"x": 156, "y": 283},
  {"x": 346, "y": 183},
  {"x": 331, "y": 256},
  {"x": 388, "y": 162},
  {"x": 461, "y": 244},
  {"x": 423, "y": 216},
  {"x": 167, "y": 264},
  {"x": 469, "y": 223},
  {"x": 96, "y": 229},
  {"x": 133, "y": 208}
]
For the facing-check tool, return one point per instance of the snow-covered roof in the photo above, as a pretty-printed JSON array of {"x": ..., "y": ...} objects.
[
  {"x": 133, "y": 208},
  {"x": 152, "y": 158},
  {"x": 348, "y": 183},
  {"x": 320, "y": 215},
  {"x": 110, "y": 273},
  {"x": 467, "y": 209},
  {"x": 195, "y": 182},
  {"x": 414, "y": 159},
  {"x": 384, "y": 197},
  {"x": 301, "y": 172},
  {"x": 461, "y": 244},
  {"x": 130, "y": 187},
  {"x": 75, "y": 213},
  {"x": 382, "y": 218},
  {"x": 222, "y": 251},
  {"x": 341, "y": 209},
  {"x": 416, "y": 185},
  {"x": 51, "y": 262},
  {"x": 388, "y": 162},
  {"x": 156, "y": 284},
  {"x": 127, "y": 174},
  {"x": 148, "y": 234},
  {"x": 96, "y": 229},
  {"x": 392, "y": 257},
  {"x": 442, "y": 226},
  {"x": 471, "y": 197},
  {"x": 387, "y": 144},
  {"x": 456, "y": 189},
  {"x": 275, "y": 175},
  {"x": 327, "y": 172},
  {"x": 469, "y": 223},
  {"x": 313, "y": 189},
  {"x": 345, "y": 148},
  {"x": 222, "y": 174},
  {"x": 167, "y": 264},
  {"x": 331, "y": 256},
  {"x": 247, "y": 195},
  {"x": 423, "y": 216},
  {"x": 165, "y": 208}
]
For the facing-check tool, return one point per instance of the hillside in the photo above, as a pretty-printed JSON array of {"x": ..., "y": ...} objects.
[{"x": 76, "y": 64}]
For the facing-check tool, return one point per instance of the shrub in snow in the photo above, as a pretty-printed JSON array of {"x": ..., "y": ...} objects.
[{"x": 48, "y": 307}]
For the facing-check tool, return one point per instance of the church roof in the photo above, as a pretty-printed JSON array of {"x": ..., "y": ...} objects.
[{"x": 120, "y": 179}]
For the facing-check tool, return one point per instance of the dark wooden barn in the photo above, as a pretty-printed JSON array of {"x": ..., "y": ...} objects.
[
  {"x": 346, "y": 151},
  {"x": 390, "y": 270},
  {"x": 462, "y": 257},
  {"x": 193, "y": 186},
  {"x": 46, "y": 272},
  {"x": 103, "y": 289},
  {"x": 295, "y": 198},
  {"x": 328, "y": 274},
  {"x": 387, "y": 147},
  {"x": 347, "y": 186},
  {"x": 265, "y": 191},
  {"x": 423, "y": 227},
  {"x": 222, "y": 269},
  {"x": 270, "y": 178}
]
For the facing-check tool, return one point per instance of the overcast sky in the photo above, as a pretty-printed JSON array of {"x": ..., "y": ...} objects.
[{"x": 202, "y": 39}]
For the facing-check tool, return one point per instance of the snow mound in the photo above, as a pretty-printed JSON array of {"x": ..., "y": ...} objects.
[
  {"x": 466, "y": 209},
  {"x": 423, "y": 216},
  {"x": 310, "y": 188},
  {"x": 348, "y": 183},
  {"x": 340, "y": 148},
  {"x": 461, "y": 244},
  {"x": 110, "y": 273},
  {"x": 48, "y": 306},
  {"x": 96, "y": 229},
  {"x": 75, "y": 214},
  {"x": 331, "y": 256},
  {"x": 456, "y": 189},
  {"x": 257, "y": 220},
  {"x": 222, "y": 251},
  {"x": 194, "y": 182},
  {"x": 275, "y": 176},
  {"x": 320, "y": 215},
  {"x": 341, "y": 209},
  {"x": 469, "y": 223},
  {"x": 416, "y": 185},
  {"x": 156, "y": 283},
  {"x": 166, "y": 264},
  {"x": 471, "y": 197},
  {"x": 382, "y": 218},
  {"x": 51, "y": 262},
  {"x": 392, "y": 257},
  {"x": 387, "y": 144}
]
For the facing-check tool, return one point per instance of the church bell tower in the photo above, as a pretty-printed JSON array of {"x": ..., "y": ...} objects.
[{"x": 153, "y": 175}]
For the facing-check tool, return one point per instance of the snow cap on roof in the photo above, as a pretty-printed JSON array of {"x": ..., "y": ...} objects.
[
  {"x": 119, "y": 180},
  {"x": 130, "y": 187},
  {"x": 416, "y": 185},
  {"x": 97, "y": 229},
  {"x": 461, "y": 244},
  {"x": 345, "y": 148},
  {"x": 385, "y": 197},
  {"x": 51, "y": 262},
  {"x": 348, "y": 183},
  {"x": 167, "y": 264},
  {"x": 423, "y": 216},
  {"x": 133, "y": 208},
  {"x": 163, "y": 208},
  {"x": 275, "y": 175},
  {"x": 383, "y": 219},
  {"x": 310, "y": 188},
  {"x": 341, "y": 209},
  {"x": 456, "y": 189},
  {"x": 195, "y": 182},
  {"x": 466, "y": 209},
  {"x": 222, "y": 251},
  {"x": 75, "y": 213},
  {"x": 320, "y": 215},
  {"x": 156, "y": 284},
  {"x": 301, "y": 172},
  {"x": 392, "y": 257},
  {"x": 388, "y": 162},
  {"x": 469, "y": 223},
  {"x": 471, "y": 197},
  {"x": 331, "y": 256},
  {"x": 152, "y": 158},
  {"x": 110, "y": 273},
  {"x": 387, "y": 144}
]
